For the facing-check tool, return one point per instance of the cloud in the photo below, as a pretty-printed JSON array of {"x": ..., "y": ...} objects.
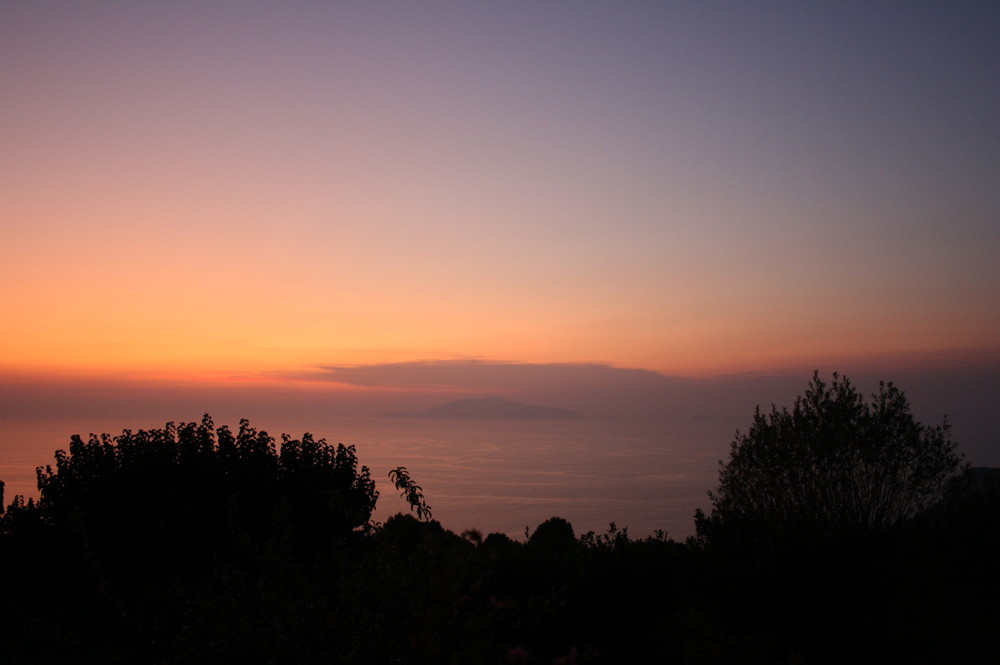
[
  {"x": 968, "y": 395},
  {"x": 481, "y": 375},
  {"x": 591, "y": 388}
]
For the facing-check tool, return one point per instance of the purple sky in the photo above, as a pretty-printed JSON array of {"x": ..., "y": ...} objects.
[{"x": 601, "y": 206}]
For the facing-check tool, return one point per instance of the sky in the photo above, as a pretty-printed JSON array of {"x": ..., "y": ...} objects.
[{"x": 299, "y": 194}]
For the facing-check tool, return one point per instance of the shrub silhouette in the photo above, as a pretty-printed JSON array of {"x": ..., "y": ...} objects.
[
  {"x": 139, "y": 535},
  {"x": 193, "y": 544},
  {"x": 190, "y": 489},
  {"x": 811, "y": 521},
  {"x": 554, "y": 533},
  {"x": 834, "y": 464}
]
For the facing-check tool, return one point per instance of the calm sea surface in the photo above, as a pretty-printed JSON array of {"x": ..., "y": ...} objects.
[{"x": 492, "y": 475}]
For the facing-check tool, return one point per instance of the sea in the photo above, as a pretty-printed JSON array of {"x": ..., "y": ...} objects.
[{"x": 503, "y": 476}]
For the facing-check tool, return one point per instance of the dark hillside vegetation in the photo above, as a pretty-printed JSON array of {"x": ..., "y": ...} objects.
[{"x": 197, "y": 544}]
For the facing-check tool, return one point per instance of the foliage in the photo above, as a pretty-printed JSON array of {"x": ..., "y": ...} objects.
[
  {"x": 193, "y": 544},
  {"x": 833, "y": 464},
  {"x": 409, "y": 490},
  {"x": 185, "y": 525},
  {"x": 198, "y": 483},
  {"x": 553, "y": 533}
]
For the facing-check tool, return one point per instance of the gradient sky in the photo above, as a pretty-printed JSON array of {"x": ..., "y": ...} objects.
[{"x": 196, "y": 190}]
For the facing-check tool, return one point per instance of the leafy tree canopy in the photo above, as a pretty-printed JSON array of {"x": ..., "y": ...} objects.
[
  {"x": 196, "y": 488},
  {"x": 834, "y": 463}
]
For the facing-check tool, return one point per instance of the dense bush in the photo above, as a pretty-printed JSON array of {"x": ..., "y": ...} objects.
[
  {"x": 193, "y": 544},
  {"x": 834, "y": 465},
  {"x": 137, "y": 539}
]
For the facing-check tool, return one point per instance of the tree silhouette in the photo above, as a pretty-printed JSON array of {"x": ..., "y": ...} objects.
[
  {"x": 139, "y": 534},
  {"x": 193, "y": 544},
  {"x": 183, "y": 496},
  {"x": 833, "y": 464}
]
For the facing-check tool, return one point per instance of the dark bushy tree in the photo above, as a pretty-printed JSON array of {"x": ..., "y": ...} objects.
[
  {"x": 198, "y": 544},
  {"x": 149, "y": 535},
  {"x": 813, "y": 517},
  {"x": 195, "y": 485},
  {"x": 833, "y": 464}
]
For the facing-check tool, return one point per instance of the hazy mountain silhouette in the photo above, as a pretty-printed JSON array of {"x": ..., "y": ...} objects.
[{"x": 489, "y": 408}]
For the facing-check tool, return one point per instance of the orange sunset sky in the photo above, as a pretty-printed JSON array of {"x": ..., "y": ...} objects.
[{"x": 216, "y": 192}]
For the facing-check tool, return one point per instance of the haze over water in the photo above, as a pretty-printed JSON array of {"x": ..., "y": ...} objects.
[{"x": 491, "y": 475}]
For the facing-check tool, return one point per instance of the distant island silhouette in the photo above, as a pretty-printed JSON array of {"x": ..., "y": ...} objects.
[{"x": 489, "y": 408}]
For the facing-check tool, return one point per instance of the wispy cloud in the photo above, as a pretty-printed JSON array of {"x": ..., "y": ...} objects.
[
  {"x": 482, "y": 375},
  {"x": 966, "y": 394},
  {"x": 592, "y": 388}
]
